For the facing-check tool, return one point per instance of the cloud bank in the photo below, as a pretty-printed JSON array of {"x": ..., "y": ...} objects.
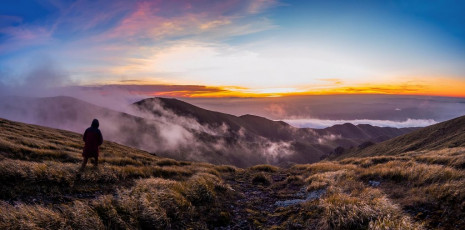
[{"x": 318, "y": 123}]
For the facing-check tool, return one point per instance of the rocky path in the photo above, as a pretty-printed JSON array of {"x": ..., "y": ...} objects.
[{"x": 258, "y": 200}]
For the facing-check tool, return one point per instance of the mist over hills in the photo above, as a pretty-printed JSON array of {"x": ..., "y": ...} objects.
[
  {"x": 398, "y": 108},
  {"x": 176, "y": 129}
]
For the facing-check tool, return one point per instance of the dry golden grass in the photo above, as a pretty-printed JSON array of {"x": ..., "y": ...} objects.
[
  {"x": 416, "y": 190},
  {"x": 264, "y": 168},
  {"x": 132, "y": 189}
]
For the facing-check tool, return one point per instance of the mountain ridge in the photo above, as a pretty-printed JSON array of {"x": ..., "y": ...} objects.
[
  {"x": 203, "y": 116},
  {"x": 447, "y": 134},
  {"x": 165, "y": 127}
]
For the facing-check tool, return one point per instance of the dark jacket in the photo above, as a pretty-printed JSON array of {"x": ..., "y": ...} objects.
[{"x": 93, "y": 139}]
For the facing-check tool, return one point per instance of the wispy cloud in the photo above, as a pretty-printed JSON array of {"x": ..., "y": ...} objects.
[
  {"x": 157, "y": 21},
  {"x": 154, "y": 90},
  {"x": 102, "y": 40},
  {"x": 140, "y": 21},
  {"x": 219, "y": 44}
]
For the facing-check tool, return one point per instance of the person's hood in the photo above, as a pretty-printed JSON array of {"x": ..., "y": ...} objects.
[{"x": 95, "y": 124}]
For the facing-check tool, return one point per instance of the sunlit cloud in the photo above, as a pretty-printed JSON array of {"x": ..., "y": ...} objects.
[
  {"x": 442, "y": 87},
  {"x": 318, "y": 123},
  {"x": 157, "y": 21},
  {"x": 242, "y": 48}
]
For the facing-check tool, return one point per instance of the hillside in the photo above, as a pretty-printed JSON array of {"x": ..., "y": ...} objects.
[
  {"x": 133, "y": 189},
  {"x": 274, "y": 130},
  {"x": 74, "y": 115},
  {"x": 447, "y": 134},
  {"x": 277, "y": 141},
  {"x": 365, "y": 132},
  {"x": 254, "y": 125},
  {"x": 130, "y": 189},
  {"x": 176, "y": 129}
]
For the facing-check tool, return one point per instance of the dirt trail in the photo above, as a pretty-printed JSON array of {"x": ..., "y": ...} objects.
[{"x": 255, "y": 206}]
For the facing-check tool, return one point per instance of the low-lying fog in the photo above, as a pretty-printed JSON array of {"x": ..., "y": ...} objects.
[
  {"x": 324, "y": 111},
  {"x": 183, "y": 137}
]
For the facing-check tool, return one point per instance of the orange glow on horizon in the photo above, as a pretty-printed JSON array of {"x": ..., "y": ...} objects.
[
  {"x": 447, "y": 87},
  {"x": 388, "y": 90}
]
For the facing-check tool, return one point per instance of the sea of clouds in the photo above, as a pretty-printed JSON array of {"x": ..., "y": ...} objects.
[{"x": 320, "y": 123}]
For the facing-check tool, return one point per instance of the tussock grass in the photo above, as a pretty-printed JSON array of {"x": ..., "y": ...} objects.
[
  {"x": 152, "y": 203},
  {"x": 294, "y": 179},
  {"x": 412, "y": 172},
  {"x": 323, "y": 167},
  {"x": 122, "y": 161},
  {"x": 448, "y": 157},
  {"x": 347, "y": 203},
  {"x": 371, "y": 161},
  {"x": 226, "y": 168},
  {"x": 131, "y": 189},
  {"x": 416, "y": 190},
  {"x": 168, "y": 162},
  {"x": 261, "y": 179},
  {"x": 343, "y": 211},
  {"x": 29, "y": 217},
  {"x": 323, "y": 180},
  {"x": 264, "y": 168}
]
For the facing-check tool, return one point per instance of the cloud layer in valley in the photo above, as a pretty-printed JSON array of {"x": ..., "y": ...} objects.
[{"x": 318, "y": 123}]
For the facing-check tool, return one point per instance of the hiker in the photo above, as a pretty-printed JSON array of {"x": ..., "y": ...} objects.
[{"x": 93, "y": 139}]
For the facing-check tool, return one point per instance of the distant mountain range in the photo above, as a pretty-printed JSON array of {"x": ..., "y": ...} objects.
[
  {"x": 447, "y": 134},
  {"x": 173, "y": 128}
]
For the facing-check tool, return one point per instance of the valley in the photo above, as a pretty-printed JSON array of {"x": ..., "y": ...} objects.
[{"x": 179, "y": 130}]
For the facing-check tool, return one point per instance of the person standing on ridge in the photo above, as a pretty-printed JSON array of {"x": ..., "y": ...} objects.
[{"x": 92, "y": 139}]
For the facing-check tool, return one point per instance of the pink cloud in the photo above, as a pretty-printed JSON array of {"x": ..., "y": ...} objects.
[
  {"x": 156, "y": 20},
  {"x": 260, "y": 5}
]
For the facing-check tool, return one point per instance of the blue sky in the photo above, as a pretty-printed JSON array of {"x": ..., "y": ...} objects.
[{"x": 262, "y": 47}]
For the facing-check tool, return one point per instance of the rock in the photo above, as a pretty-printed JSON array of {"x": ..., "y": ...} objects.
[
  {"x": 374, "y": 183},
  {"x": 310, "y": 196}
]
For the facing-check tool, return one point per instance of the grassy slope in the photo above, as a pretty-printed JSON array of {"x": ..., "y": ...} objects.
[
  {"x": 414, "y": 190},
  {"x": 447, "y": 134},
  {"x": 135, "y": 190},
  {"x": 130, "y": 189}
]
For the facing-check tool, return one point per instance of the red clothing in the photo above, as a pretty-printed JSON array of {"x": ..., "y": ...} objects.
[{"x": 93, "y": 139}]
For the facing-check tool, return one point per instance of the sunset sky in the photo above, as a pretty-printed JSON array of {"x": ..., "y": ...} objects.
[{"x": 236, "y": 48}]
